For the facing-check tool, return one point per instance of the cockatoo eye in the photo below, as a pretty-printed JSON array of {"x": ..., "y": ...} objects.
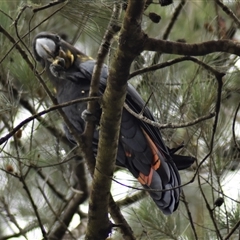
[{"x": 58, "y": 38}]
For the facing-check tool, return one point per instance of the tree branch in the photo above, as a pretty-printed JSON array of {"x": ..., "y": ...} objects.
[
  {"x": 130, "y": 44},
  {"x": 73, "y": 205},
  {"x": 26, "y": 104},
  {"x": 29, "y": 119},
  {"x": 217, "y": 110},
  {"x": 12, "y": 217},
  {"x": 57, "y": 215},
  {"x": 94, "y": 86},
  {"x": 229, "y": 12},
  {"x": 131, "y": 199},
  {"x": 197, "y": 49},
  {"x": 90, "y": 126},
  {"x": 233, "y": 127},
  {"x": 170, "y": 63},
  {"x": 189, "y": 215},
  {"x": 209, "y": 209},
  {"x": 120, "y": 220},
  {"x": 34, "y": 206},
  {"x": 25, "y": 230},
  {"x": 169, "y": 28},
  {"x": 48, "y": 5},
  {"x": 233, "y": 230},
  {"x": 168, "y": 125}
]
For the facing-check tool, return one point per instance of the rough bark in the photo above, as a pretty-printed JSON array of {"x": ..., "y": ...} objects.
[
  {"x": 196, "y": 49},
  {"x": 130, "y": 45}
]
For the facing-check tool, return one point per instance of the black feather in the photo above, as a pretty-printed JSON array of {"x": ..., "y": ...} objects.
[{"x": 139, "y": 141}]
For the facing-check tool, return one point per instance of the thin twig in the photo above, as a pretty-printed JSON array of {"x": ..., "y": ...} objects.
[
  {"x": 22, "y": 9},
  {"x": 54, "y": 212},
  {"x": 157, "y": 66},
  {"x": 35, "y": 208},
  {"x": 209, "y": 209},
  {"x": 65, "y": 160},
  {"x": 32, "y": 29},
  {"x": 50, "y": 185},
  {"x": 217, "y": 19},
  {"x": 26, "y": 58},
  {"x": 219, "y": 77},
  {"x": 233, "y": 127},
  {"x": 232, "y": 231},
  {"x": 229, "y": 12},
  {"x": 168, "y": 125},
  {"x": 48, "y": 5},
  {"x": 25, "y": 230},
  {"x": 70, "y": 210},
  {"x": 7, "y": 15},
  {"x": 171, "y": 62},
  {"x": 174, "y": 19},
  {"x": 29, "y": 119},
  {"x": 131, "y": 199},
  {"x": 189, "y": 215},
  {"x": 12, "y": 217},
  {"x": 73, "y": 205},
  {"x": 146, "y": 103},
  {"x": 175, "y": 15}
]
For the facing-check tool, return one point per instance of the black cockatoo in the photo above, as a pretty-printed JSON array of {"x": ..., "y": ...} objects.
[{"x": 141, "y": 149}]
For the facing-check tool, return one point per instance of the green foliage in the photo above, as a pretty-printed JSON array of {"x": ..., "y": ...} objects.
[
  {"x": 155, "y": 224},
  {"x": 177, "y": 94}
]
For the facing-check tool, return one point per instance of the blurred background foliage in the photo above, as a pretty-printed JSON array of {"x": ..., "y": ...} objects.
[{"x": 38, "y": 157}]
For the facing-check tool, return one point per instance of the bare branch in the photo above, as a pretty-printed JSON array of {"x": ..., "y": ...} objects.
[
  {"x": 7, "y": 15},
  {"x": 233, "y": 127},
  {"x": 34, "y": 206},
  {"x": 50, "y": 185},
  {"x": 157, "y": 66},
  {"x": 27, "y": 120},
  {"x": 169, "y": 28},
  {"x": 189, "y": 215},
  {"x": 12, "y": 217},
  {"x": 26, "y": 104},
  {"x": 174, "y": 19},
  {"x": 131, "y": 199},
  {"x": 73, "y": 205},
  {"x": 209, "y": 209},
  {"x": 25, "y": 230},
  {"x": 103, "y": 50},
  {"x": 197, "y": 49},
  {"x": 168, "y": 125},
  {"x": 119, "y": 219},
  {"x": 94, "y": 86},
  {"x": 232, "y": 231},
  {"x": 68, "y": 213},
  {"x": 48, "y": 5},
  {"x": 217, "y": 110},
  {"x": 229, "y": 12},
  {"x": 112, "y": 103},
  {"x": 65, "y": 227},
  {"x": 174, "y": 61}
]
